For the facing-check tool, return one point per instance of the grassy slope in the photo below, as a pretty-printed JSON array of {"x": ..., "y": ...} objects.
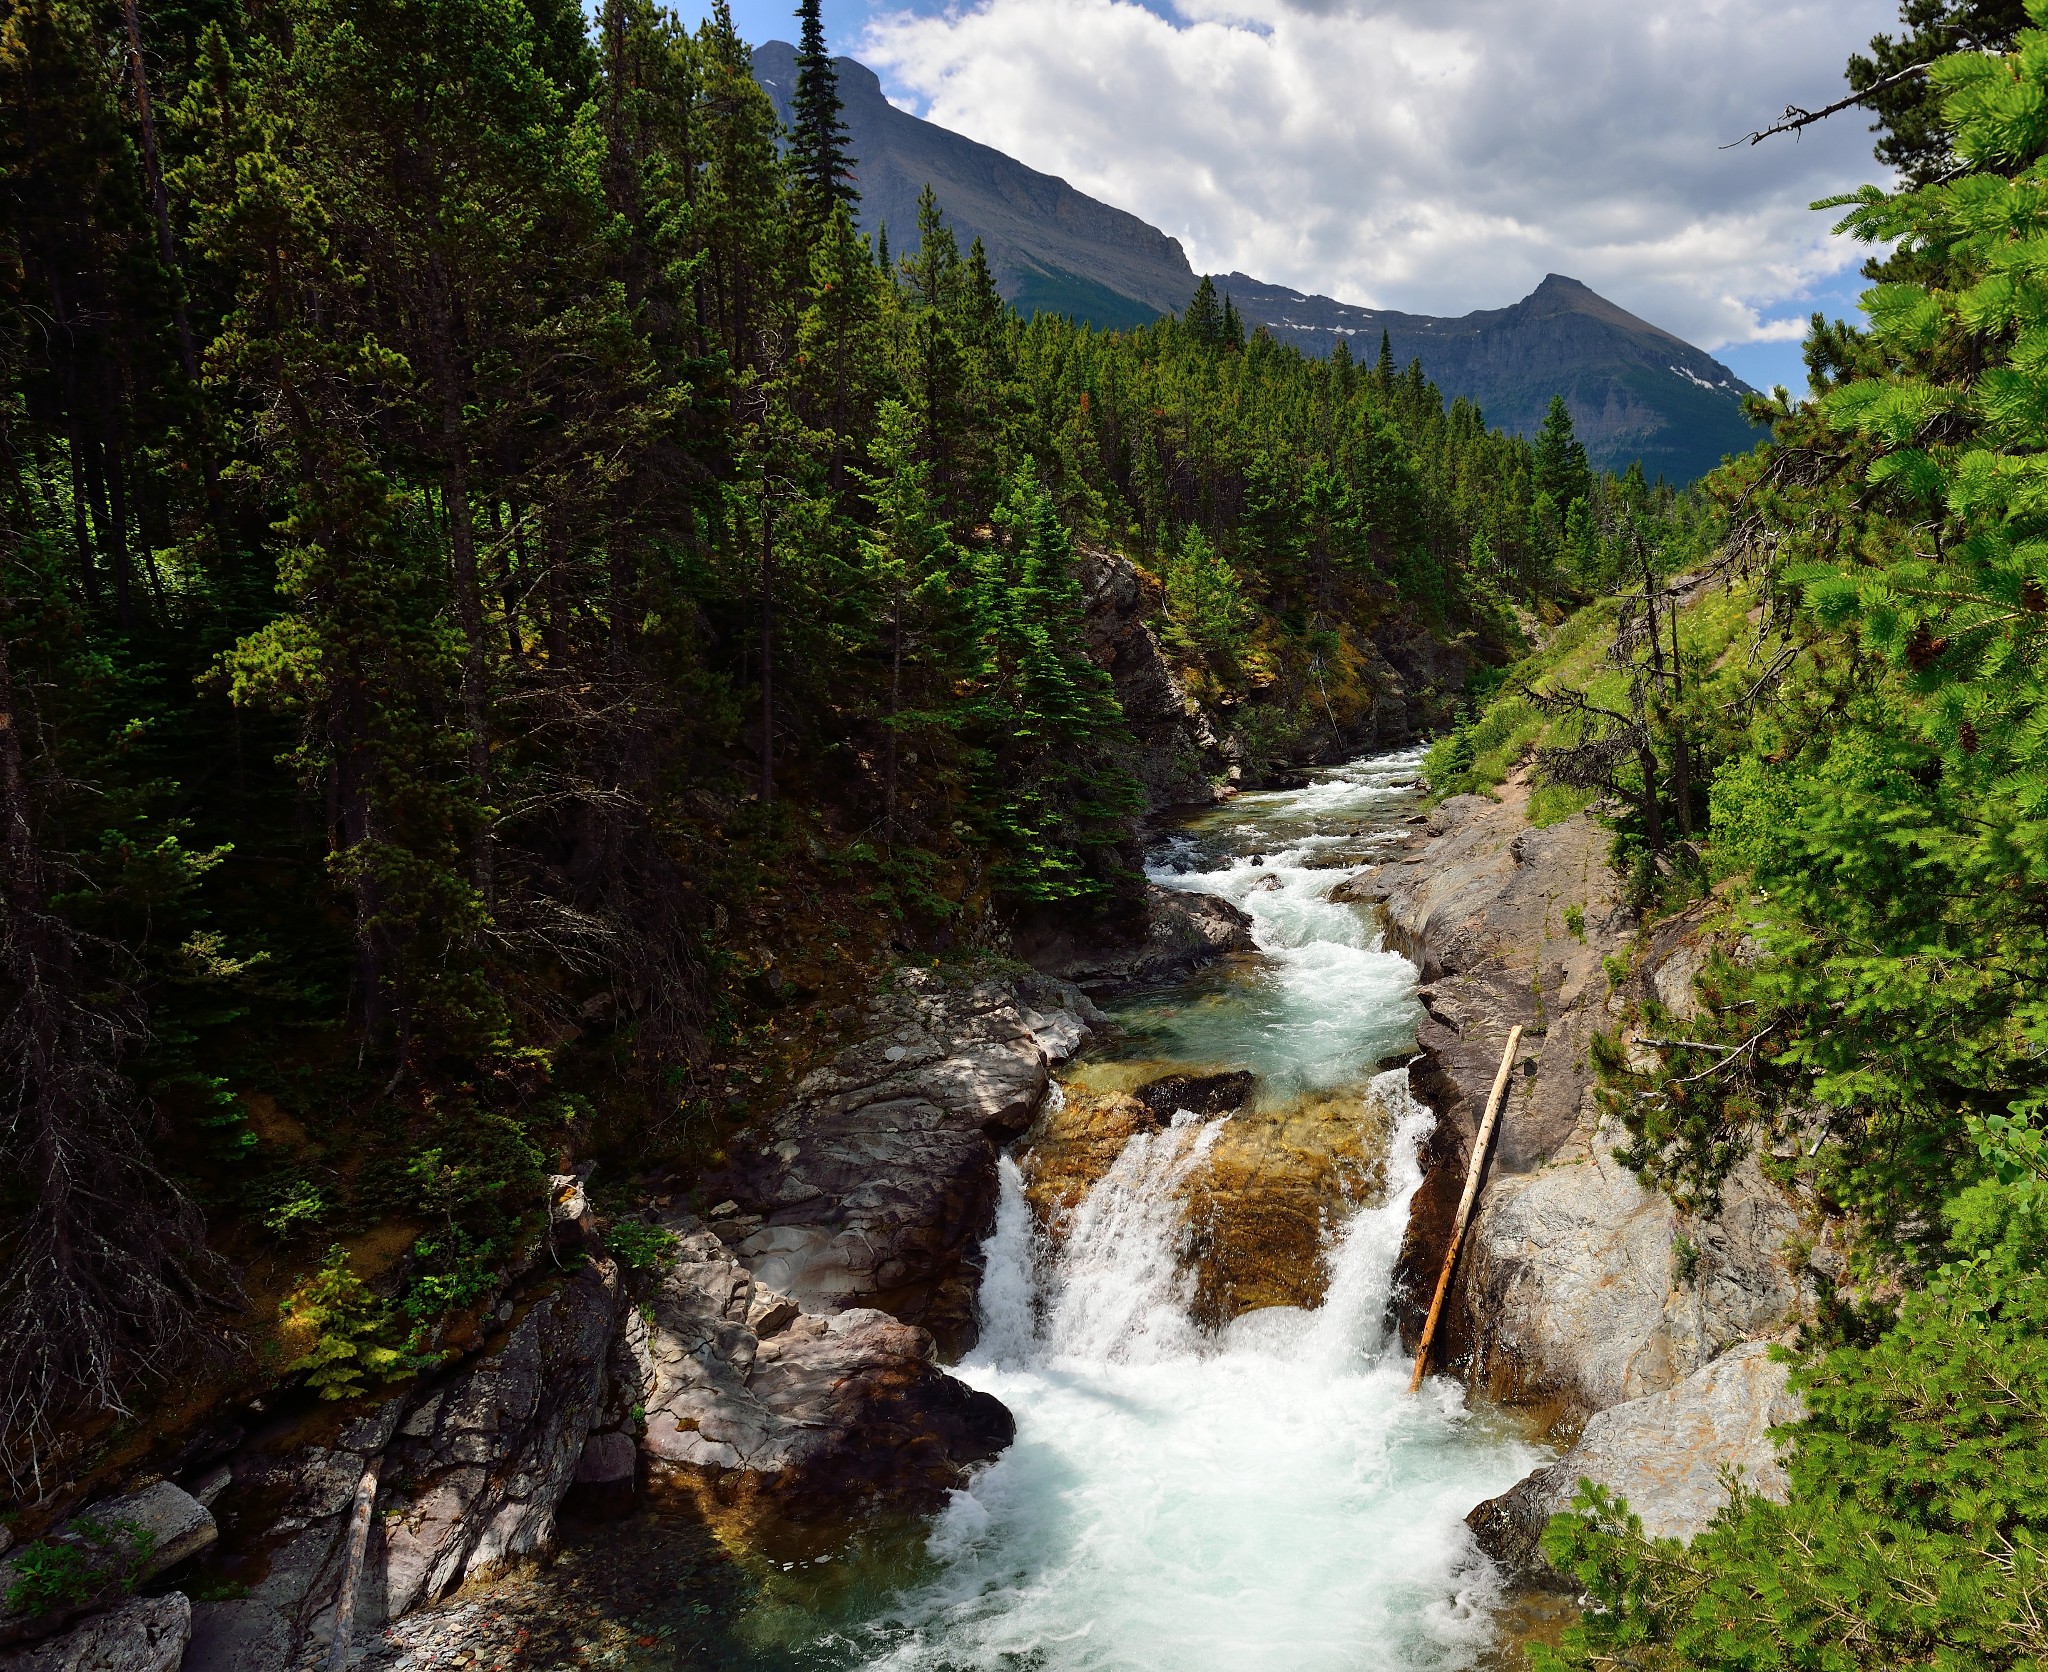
[{"x": 1714, "y": 629}]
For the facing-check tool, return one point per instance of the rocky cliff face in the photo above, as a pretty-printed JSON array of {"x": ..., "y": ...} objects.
[
  {"x": 1400, "y": 682},
  {"x": 1581, "y": 1291}
]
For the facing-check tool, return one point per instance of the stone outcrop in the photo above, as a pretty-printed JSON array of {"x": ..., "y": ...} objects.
[
  {"x": 1668, "y": 1454},
  {"x": 1581, "y": 1292},
  {"x": 1576, "y": 1284},
  {"x": 1176, "y": 755},
  {"x": 775, "y": 1415},
  {"x": 117, "y": 1544},
  {"x": 473, "y": 1467},
  {"x": 482, "y": 1463},
  {"x": 874, "y": 1186},
  {"x": 1579, "y": 1287},
  {"x": 140, "y": 1634},
  {"x": 1177, "y": 933}
]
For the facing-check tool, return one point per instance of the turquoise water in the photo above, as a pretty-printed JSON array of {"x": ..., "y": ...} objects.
[{"x": 1266, "y": 1497}]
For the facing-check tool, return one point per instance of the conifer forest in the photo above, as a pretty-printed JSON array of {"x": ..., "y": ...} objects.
[{"x": 513, "y": 608}]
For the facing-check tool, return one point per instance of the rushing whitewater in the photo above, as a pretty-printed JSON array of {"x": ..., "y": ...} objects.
[{"x": 1269, "y": 1497}]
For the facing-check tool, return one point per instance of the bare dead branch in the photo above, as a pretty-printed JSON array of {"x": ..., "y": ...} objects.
[{"x": 1796, "y": 118}]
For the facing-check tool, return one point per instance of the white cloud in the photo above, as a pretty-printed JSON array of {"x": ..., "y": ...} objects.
[{"x": 1433, "y": 155}]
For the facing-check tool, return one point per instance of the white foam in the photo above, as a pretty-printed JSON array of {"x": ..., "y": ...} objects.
[{"x": 1267, "y": 1497}]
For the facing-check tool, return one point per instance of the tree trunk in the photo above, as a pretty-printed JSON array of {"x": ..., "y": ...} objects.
[
  {"x": 1681, "y": 749},
  {"x": 890, "y": 749},
  {"x": 767, "y": 651},
  {"x": 469, "y": 612},
  {"x": 1653, "y": 821},
  {"x": 109, "y": 534},
  {"x": 152, "y": 165}
]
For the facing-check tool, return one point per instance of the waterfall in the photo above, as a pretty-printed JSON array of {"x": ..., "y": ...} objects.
[{"x": 1266, "y": 1496}]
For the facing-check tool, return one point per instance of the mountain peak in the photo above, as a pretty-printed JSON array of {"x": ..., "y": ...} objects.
[{"x": 1635, "y": 391}]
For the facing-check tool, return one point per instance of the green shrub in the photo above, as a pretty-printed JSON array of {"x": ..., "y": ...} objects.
[
  {"x": 50, "y": 1576},
  {"x": 638, "y": 1244},
  {"x": 90, "y": 1560},
  {"x": 340, "y": 1321}
]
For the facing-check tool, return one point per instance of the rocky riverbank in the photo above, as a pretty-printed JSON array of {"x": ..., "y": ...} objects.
[
  {"x": 772, "y": 1371},
  {"x": 1635, "y": 1331}
]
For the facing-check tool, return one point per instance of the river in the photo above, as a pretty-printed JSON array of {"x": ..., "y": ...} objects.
[{"x": 1263, "y": 1497}]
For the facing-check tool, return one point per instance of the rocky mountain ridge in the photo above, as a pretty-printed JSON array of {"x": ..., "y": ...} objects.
[{"x": 1635, "y": 390}]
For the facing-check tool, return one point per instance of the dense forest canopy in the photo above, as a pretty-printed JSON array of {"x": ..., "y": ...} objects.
[{"x": 490, "y": 559}]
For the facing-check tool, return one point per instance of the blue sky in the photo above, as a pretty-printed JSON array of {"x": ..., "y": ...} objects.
[{"x": 1431, "y": 155}]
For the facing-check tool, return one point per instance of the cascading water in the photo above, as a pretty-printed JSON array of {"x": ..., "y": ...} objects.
[{"x": 1263, "y": 1497}]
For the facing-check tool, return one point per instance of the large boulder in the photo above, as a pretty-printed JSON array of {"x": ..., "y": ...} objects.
[
  {"x": 1177, "y": 933},
  {"x": 107, "y": 1551},
  {"x": 139, "y": 1634},
  {"x": 772, "y": 1415},
  {"x": 1669, "y": 1455},
  {"x": 875, "y": 1185}
]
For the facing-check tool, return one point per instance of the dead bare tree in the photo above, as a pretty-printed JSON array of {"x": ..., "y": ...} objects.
[
  {"x": 1610, "y": 740},
  {"x": 102, "y": 1256}
]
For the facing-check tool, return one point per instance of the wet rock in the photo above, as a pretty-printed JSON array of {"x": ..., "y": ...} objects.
[
  {"x": 1667, "y": 1454},
  {"x": 121, "y": 1542},
  {"x": 140, "y": 1634},
  {"x": 1367, "y": 888},
  {"x": 1277, "y": 1183},
  {"x": 1201, "y": 1094},
  {"x": 1176, "y": 934},
  {"x": 877, "y": 1182},
  {"x": 1072, "y": 1144},
  {"x": 830, "y": 1415},
  {"x": 607, "y": 1478},
  {"x": 239, "y": 1636},
  {"x": 1261, "y": 1205}
]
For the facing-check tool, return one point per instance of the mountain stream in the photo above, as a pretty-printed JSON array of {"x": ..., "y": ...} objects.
[
  {"x": 1266, "y": 1495},
  {"x": 1257, "y": 1495}
]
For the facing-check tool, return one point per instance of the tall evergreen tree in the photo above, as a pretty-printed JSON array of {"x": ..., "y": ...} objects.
[
  {"x": 1560, "y": 459},
  {"x": 817, "y": 133}
]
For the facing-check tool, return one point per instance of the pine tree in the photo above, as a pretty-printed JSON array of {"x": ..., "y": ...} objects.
[
  {"x": 817, "y": 134},
  {"x": 1561, "y": 470},
  {"x": 1204, "y": 318}
]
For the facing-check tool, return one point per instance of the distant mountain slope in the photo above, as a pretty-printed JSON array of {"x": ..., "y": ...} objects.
[
  {"x": 1053, "y": 249},
  {"x": 1635, "y": 391}
]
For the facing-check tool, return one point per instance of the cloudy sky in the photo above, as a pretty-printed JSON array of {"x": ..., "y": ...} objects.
[{"x": 1431, "y": 155}]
